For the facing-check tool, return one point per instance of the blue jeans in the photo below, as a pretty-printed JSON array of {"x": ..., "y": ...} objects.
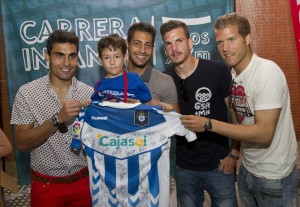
[
  {"x": 191, "y": 186},
  {"x": 264, "y": 192}
]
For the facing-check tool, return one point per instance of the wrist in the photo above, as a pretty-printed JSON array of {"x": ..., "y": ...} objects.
[
  {"x": 57, "y": 123},
  {"x": 55, "y": 120},
  {"x": 233, "y": 156},
  {"x": 208, "y": 125}
]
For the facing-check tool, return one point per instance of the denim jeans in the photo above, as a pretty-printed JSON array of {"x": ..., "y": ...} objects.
[
  {"x": 262, "y": 192},
  {"x": 191, "y": 186}
]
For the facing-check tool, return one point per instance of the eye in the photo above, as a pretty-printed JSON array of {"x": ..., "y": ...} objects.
[
  {"x": 59, "y": 55},
  {"x": 219, "y": 43},
  {"x": 148, "y": 45},
  {"x": 105, "y": 58},
  {"x": 73, "y": 56},
  {"x": 137, "y": 44},
  {"x": 232, "y": 39},
  {"x": 167, "y": 44}
]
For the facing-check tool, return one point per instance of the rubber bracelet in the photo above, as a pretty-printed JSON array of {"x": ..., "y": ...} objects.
[{"x": 233, "y": 156}]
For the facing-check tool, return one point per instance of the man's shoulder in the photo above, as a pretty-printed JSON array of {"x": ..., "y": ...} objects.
[
  {"x": 169, "y": 71},
  {"x": 83, "y": 86},
  {"x": 81, "y": 83},
  {"x": 158, "y": 74},
  {"x": 212, "y": 62},
  {"x": 36, "y": 82}
]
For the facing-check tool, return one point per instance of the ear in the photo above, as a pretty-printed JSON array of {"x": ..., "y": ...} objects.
[
  {"x": 100, "y": 61},
  {"x": 126, "y": 58},
  {"x": 248, "y": 39},
  {"x": 47, "y": 57},
  {"x": 190, "y": 43}
]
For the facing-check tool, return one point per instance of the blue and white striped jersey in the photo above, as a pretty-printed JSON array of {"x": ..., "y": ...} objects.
[{"x": 123, "y": 143}]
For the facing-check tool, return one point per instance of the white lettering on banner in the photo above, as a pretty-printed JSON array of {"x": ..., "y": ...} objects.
[
  {"x": 64, "y": 24},
  {"x": 82, "y": 29},
  {"x": 45, "y": 31},
  {"x": 92, "y": 31},
  {"x": 33, "y": 59},
  {"x": 101, "y": 26}
]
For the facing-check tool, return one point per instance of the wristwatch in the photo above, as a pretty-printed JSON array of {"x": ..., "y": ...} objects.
[
  {"x": 54, "y": 120},
  {"x": 208, "y": 125},
  {"x": 62, "y": 128}
]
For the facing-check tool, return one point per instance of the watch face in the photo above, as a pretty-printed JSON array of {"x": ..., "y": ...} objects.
[
  {"x": 54, "y": 120},
  {"x": 208, "y": 126}
]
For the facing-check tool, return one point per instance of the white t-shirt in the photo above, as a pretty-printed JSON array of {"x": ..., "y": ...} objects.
[
  {"x": 261, "y": 86},
  {"x": 124, "y": 143}
]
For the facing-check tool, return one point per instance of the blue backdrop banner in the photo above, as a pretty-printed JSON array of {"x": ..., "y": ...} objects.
[{"x": 26, "y": 25}]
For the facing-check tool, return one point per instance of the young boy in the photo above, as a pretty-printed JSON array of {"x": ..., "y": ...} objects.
[{"x": 119, "y": 85}]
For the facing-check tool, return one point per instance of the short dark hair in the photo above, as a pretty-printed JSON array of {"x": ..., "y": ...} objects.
[
  {"x": 233, "y": 18},
  {"x": 112, "y": 41},
  {"x": 61, "y": 36},
  {"x": 142, "y": 27},
  {"x": 174, "y": 24}
]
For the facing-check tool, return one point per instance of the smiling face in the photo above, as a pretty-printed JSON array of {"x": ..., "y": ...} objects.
[
  {"x": 177, "y": 45},
  {"x": 233, "y": 47},
  {"x": 140, "y": 49},
  {"x": 113, "y": 61},
  {"x": 63, "y": 60}
]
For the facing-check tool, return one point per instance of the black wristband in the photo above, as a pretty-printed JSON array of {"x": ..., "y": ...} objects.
[{"x": 233, "y": 156}]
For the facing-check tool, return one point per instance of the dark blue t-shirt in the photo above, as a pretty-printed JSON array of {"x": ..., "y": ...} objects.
[{"x": 203, "y": 93}]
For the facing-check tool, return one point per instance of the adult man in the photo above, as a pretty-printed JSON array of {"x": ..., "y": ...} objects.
[
  {"x": 202, "y": 85},
  {"x": 141, "y": 37},
  {"x": 42, "y": 113},
  {"x": 260, "y": 97}
]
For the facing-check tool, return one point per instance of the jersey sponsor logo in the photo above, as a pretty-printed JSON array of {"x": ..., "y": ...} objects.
[
  {"x": 99, "y": 118},
  {"x": 141, "y": 118},
  {"x": 203, "y": 96},
  {"x": 119, "y": 141}
]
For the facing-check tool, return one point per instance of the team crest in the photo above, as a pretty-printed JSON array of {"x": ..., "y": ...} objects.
[{"x": 141, "y": 118}]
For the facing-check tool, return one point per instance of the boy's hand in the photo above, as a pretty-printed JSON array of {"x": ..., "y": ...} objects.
[
  {"x": 166, "y": 107},
  {"x": 86, "y": 103}
]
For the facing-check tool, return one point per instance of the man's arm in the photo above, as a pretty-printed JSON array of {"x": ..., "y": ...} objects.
[
  {"x": 229, "y": 162},
  {"x": 28, "y": 137},
  {"x": 261, "y": 132}
]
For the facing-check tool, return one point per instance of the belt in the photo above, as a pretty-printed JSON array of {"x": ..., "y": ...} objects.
[{"x": 65, "y": 179}]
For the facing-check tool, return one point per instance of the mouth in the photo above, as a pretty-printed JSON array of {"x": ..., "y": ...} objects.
[
  {"x": 227, "y": 55},
  {"x": 175, "y": 54},
  {"x": 66, "y": 69},
  {"x": 141, "y": 57}
]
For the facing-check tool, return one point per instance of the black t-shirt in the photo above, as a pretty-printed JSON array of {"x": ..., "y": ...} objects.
[{"x": 203, "y": 93}]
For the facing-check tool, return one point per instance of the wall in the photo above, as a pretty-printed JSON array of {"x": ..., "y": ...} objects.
[{"x": 273, "y": 38}]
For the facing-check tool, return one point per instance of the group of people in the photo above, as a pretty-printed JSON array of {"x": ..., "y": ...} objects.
[{"x": 248, "y": 108}]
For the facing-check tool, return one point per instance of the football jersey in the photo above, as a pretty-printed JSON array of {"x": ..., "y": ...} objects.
[{"x": 123, "y": 143}]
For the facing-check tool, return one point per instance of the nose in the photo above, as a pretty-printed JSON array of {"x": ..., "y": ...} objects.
[
  {"x": 142, "y": 48},
  {"x": 112, "y": 61},
  {"x": 174, "y": 46},
  {"x": 226, "y": 46},
  {"x": 66, "y": 61}
]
